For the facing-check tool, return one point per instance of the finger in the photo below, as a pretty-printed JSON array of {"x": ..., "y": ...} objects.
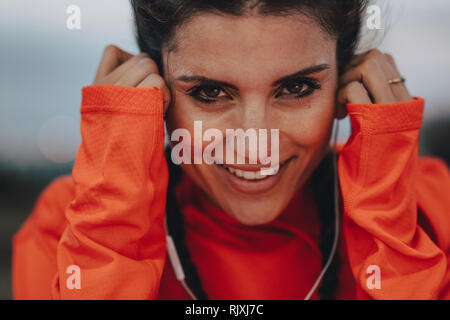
[
  {"x": 382, "y": 62},
  {"x": 372, "y": 76},
  {"x": 356, "y": 60},
  {"x": 391, "y": 72},
  {"x": 118, "y": 73},
  {"x": 138, "y": 73},
  {"x": 354, "y": 92},
  {"x": 399, "y": 90},
  {"x": 112, "y": 57},
  {"x": 389, "y": 68},
  {"x": 155, "y": 80}
]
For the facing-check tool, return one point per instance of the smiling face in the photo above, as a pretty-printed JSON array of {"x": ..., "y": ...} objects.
[{"x": 260, "y": 72}]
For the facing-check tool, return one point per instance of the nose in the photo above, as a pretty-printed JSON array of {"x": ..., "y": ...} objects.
[
  {"x": 254, "y": 113},
  {"x": 254, "y": 121}
]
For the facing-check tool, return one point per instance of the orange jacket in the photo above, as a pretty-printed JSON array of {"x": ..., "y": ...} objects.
[{"x": 107, "y": 218}]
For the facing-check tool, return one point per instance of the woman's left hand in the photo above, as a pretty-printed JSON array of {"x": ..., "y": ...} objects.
[{"x": 366, "y": 81}]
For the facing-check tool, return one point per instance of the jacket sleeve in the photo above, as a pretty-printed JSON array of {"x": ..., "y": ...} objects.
[
  {"x": 34, "y": 244},
  {"x": 378, "y": 167},
  {"x": 113, "y": 246}
]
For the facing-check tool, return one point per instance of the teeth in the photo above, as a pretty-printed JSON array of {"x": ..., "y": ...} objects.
[{"x": 247, "y": 175}]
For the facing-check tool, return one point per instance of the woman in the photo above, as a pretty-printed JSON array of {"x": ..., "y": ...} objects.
[{"x": 285, "y": 65}]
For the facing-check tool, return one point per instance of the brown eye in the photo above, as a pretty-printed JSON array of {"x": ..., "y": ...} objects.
[
  {"x": 212, "y": 92},
  {"x": 298, "y": 89},
  {"x": 295, "y": 88},
  {"x": 208, "y": 94}
]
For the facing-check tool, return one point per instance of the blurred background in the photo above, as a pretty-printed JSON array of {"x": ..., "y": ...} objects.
[{"x": 44, "y": 63}]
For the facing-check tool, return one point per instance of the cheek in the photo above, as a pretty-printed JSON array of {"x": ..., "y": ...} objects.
[
  {"x": 184, "y": 112},
  {"x": 310, "y": 122},
  {"x": 176, "y": 117},
  {"x": 183, "y": 115},
  {"x": 310, "y": 127}
]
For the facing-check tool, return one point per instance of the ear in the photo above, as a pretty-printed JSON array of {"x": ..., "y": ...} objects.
[{"x": 340, "y": 111}]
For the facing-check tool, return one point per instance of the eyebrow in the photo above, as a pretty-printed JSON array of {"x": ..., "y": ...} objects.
[
  {"x": 296, "y": 75},
  {"x": 212, "y": 82},
  {"x": 303, "y": 73}
]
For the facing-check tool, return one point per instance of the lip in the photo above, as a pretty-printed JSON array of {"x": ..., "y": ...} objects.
[
  {"x": 254, "y": 167},
  {"x": 252, "y": 186}
]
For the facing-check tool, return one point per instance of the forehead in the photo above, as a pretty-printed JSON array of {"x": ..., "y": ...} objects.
[{"x": 253, "y": 45}]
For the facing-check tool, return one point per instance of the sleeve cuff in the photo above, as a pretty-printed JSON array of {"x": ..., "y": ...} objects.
[
  {"x": 112, "y": 98},
  {"x": 386, "y": 118}
]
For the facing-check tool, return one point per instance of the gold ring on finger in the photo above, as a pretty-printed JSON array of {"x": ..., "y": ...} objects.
[{"x": 397, "y": 80}]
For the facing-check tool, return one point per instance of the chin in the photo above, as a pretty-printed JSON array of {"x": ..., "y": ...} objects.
[{"x": 255, "y": 213}]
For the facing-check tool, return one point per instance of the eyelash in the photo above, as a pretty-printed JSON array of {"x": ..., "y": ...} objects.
[
  {"x": 195, "y": 93},
  {"x": 313, "y": 85}
]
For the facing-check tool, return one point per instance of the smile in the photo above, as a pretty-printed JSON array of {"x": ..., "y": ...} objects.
[
  {"x": 247, "y": 175},
  {"x": 248, "y": 178}
]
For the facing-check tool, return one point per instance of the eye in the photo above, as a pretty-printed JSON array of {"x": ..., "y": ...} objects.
[
  {"x": 208, "y": 94},
  {"x": 298, "y": 88}
]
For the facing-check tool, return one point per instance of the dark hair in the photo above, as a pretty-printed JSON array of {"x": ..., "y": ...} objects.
[
  {"x": 156, "y": 24},
  {"x": 156, "y": 21}
]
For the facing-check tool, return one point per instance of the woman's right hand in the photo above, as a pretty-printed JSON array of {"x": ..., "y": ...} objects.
[{"x": 121, "y": 68}]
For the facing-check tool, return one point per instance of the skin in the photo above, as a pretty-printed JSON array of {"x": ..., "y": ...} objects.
[{"x": 236, "y": 50}]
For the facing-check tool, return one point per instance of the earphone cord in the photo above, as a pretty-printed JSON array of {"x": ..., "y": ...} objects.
[
  {"x": 178, "y": 268},
  {"x": 336, "y": 216}
]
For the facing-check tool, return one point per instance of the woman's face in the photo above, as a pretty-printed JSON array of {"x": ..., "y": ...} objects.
[{"x": 254, "y": 72}]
